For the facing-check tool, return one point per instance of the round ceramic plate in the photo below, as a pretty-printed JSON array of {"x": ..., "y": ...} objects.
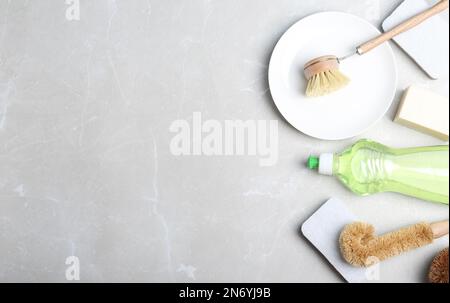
[{"x": 345, "y": 113}]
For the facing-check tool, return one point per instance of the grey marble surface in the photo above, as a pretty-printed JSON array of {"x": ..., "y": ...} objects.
[{"x": 86, "y": 168}]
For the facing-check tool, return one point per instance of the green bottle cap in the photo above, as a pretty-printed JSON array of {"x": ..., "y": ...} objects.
[{"x": 313, "y": 162}]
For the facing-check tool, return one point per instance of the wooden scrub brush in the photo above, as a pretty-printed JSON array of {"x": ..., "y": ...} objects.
[
  {"x": 324, "y": 76},
  {"x": 439, "y": 268},
  {"x": 362, "y": 248},
  {"x": 323, "y": 73}
]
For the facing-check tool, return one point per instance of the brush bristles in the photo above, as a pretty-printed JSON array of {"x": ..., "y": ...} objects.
[
  {"x": 326, "y": 82},
  {"x": 361, "y": 247},
  {"x": 439, "y": 268}
]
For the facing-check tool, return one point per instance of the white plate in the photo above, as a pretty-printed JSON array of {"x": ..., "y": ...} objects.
[{"x": 350, "y": 111}]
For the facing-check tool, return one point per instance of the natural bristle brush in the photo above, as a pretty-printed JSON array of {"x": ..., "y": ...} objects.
[
  {"x": 361, "y": 247},
  {"x": 324, "y": 76},
  {"x": 439, "y": 268},
  {"x": 323, "y": 73}
]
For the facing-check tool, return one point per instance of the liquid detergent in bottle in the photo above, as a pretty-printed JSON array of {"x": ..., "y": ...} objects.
[{"x": 368, "y": 167}]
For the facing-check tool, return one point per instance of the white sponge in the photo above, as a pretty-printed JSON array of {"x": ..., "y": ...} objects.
[
  {"x": 426, "y": 44},
  {"x": 323, "y": 228}
]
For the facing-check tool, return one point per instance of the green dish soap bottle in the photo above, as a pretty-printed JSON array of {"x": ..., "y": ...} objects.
[{"x": 368, "y": 167}]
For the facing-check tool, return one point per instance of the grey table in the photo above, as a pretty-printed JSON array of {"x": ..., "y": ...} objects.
[{"x": 86, "y": 168}]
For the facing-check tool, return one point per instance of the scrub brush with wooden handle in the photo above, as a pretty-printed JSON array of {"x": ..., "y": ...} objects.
[
  {"x": 323, "y": 73},
  {"x": 362, "y": 248}
]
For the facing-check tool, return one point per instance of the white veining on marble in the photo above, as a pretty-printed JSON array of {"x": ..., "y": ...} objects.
[
  {"x": 5, "y": 94},
  {"x": 188, "y": 270},
  {"x": 19, "y": 190},
  {"x": 155, "y": 209},
  {"x": 112, "y": 9},
  {"x": 4, "y": 25}
]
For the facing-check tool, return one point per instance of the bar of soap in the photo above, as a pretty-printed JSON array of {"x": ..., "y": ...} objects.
[{"x": 424, "y": 111}]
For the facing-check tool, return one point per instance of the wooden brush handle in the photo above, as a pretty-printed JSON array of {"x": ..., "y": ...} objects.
[
  {"x": 439, "y": 229},
  {"x": 407, "y": 25}
]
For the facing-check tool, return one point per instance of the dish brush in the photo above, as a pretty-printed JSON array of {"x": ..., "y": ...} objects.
[
  {"x": 360, "y": 247},
  {"x": 323, "y": 73},
  {"x": 439, "y": 268}
]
